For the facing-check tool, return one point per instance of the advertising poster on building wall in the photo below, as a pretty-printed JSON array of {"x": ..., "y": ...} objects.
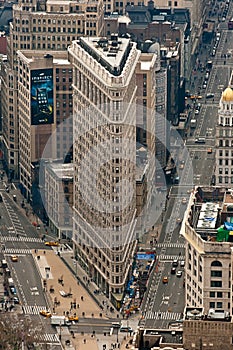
[{"x": 42, "y": 103}]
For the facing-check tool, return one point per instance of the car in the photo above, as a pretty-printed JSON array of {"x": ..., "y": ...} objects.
[
  {"x": 165, "y": 279},
  {"x": 45, "y": 313},
  {"x": 13, "y": 290},
  {"x": 182, "y": 263},
  {"x": 73, "y": 318},
  {"x": 204, "y": 86},
  {"x": 178, "y": 220},
  {"x": 175, "y": 263},
  {"x": 197, "y": 111},
  {"x": 181, "y": 166},
  {"x": 184, "y": 200},
  {"x": 116, "y": 325},
  {"x": 200, "y": 140},
  {"x": 173, "y": 271},
  {"x": 52, "y": 244},
  {"x": 126, "y": 329},
  {"x": 223, "y": 19},
  {"x": 179, "y": 273},
  {"x": 14, "y": 258},
  {"x": 213, "y": 53},
  {"x": 209, "y": 95},
  {"x": 15, "y": 300},
  {"x": 199, "y": 97},
  {"x": 209, "y": 150},
  {"x": 193, "y": 97}
]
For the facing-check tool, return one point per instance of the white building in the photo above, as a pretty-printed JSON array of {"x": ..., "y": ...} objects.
[
  {"x": 209, "y": 249},
  {"x": 104, "y": 83}
]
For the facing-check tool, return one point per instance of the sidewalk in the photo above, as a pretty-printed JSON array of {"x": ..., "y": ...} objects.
[
  {"x": 52, "y": 269},
  {"x": 60, "y": 279},
  {"x": 90, "y": 286}
]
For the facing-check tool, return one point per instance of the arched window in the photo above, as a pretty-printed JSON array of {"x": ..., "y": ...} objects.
[{"x": 216, "y": 263}]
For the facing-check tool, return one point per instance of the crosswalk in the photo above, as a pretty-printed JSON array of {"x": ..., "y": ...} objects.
[
  {"x": 33, "y": 309},
  {"x": 170, "y": 245},
  {"x": 17, "y": 251},
  {"x": 166, "y": 315},
  {"x": 17, "y": 226},
  {"x": 170, "y": 257},
  {"x": 48, "y": 338},
  {"x": 21, "y": 239}
]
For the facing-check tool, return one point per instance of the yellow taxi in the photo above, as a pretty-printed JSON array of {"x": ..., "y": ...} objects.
[
  {"x": 165, "y": 279},
  {"x": 199, "y": 97},
  {"x": 193, "y": 97},
  {"x": 73, "y": 318},
  {"x": 14, "y": 258},
  {"x": 45, "y": 313},
  {"x": 209, "y": 150},
  {"x": 52, "y": 244}
]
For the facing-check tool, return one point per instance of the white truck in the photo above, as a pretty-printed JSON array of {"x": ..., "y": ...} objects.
[
  {"x": 193, "y": 123},
  {"x": 218, "y": 315},
  {"x": 59, "y": 321}
]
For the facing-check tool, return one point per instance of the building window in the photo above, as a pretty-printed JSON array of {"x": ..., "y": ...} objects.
[
  {"x": 219, "y": 294},
  {"x": 216, "y": 263},
  {"x": 217, "y": 284},
  {"x": 212, "y": 294},
  {"x": 216, "y": 273},
  {"x": 219, "y": 305},
  {"x": 212, "y": 305}
]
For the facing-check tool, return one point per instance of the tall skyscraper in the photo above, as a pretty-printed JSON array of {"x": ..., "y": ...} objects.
[
  {"x": 105, "y": 118},
  {"x": 224, "y": 141},
  {"x": 46, "y": 26}
]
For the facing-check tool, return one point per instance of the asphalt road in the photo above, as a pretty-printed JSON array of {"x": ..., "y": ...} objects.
[{"x": 164, "y": 303}]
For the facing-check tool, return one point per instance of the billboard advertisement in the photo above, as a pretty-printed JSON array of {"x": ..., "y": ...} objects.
[{"x": 42, "y": 102}]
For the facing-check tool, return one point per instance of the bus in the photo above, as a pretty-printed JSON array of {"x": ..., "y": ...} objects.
[{"x": 230, "y": 24}]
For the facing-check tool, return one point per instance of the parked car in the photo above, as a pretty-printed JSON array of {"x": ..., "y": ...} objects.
[
  {"x": 173, "y": 271},
  {"x": 165, "y": 279},
  {"x": 179, "y": 273},
  {"x": 182, "y": 263}
]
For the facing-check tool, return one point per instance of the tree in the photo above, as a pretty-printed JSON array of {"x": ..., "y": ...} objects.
[{"x": 17, "y": 332}]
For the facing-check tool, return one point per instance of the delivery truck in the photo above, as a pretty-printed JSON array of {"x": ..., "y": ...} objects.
[{"x": 59, "y": 321}]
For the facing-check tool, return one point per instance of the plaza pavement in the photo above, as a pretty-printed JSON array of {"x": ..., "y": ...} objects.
[{"x": 52, "y": 269}]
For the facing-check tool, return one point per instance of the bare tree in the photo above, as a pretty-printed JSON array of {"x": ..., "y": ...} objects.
[{"x": 17, "y": 332}]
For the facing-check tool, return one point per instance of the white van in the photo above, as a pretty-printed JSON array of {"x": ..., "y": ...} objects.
[{"x": 200, "y": 140}]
